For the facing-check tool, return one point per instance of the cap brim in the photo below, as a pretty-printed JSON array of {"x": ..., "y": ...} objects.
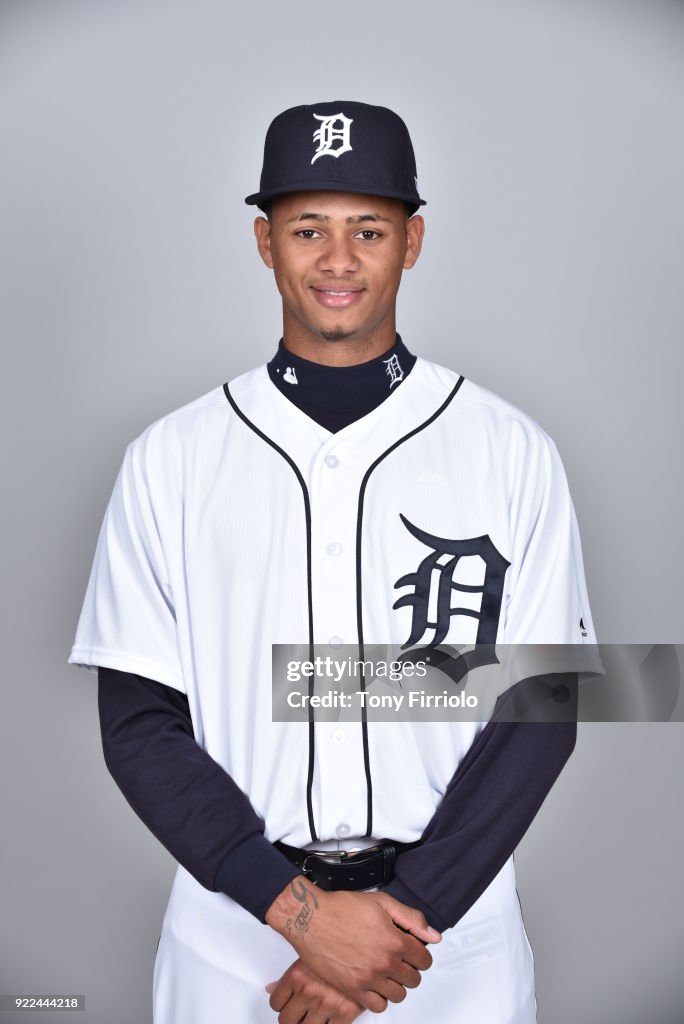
[{"x": 338, "y": 186}]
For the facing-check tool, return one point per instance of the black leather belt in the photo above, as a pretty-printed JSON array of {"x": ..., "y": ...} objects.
[{"x": 343, "y": 869}]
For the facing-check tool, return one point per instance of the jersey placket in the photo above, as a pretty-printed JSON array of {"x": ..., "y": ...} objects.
[{"x": 339, "y": 779}]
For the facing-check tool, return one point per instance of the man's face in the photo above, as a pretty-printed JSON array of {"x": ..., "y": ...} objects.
[{"x": 338, "y": 259}]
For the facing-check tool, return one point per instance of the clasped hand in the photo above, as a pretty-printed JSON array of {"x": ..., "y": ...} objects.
[{"x": 356, "y": 951}]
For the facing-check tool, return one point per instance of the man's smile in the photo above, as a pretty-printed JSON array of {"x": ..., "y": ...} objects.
[{"x": 336, "y": 298}]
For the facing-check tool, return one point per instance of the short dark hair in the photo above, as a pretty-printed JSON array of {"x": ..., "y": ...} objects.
[{"x": 266, "y": 208}]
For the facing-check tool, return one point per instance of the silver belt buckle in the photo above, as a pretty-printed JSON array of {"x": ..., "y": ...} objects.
[
  {"x": 338, "y": 855},
  {"x": 324, "y": 854}
]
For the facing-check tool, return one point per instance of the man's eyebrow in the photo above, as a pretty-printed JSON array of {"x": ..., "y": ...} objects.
[
  {"x": 308, "y": 216},
  {"x": 366, "y": 216},
  {"x": 321, "y": 217}
]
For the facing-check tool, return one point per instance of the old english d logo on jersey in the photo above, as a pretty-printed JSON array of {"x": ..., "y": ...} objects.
[
  {"x": 437, "y": 571},
  {"x": 333, "y": 129}
]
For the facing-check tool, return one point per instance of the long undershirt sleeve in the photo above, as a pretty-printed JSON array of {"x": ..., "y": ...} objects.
[
  {"x": 185, "y": 798},
  {"x": 489, "y": 804}
]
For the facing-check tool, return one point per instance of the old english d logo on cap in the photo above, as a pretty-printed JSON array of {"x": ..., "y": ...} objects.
[
  {"x": 333, "y": 129},
  {"x": 339, "y": 146}
]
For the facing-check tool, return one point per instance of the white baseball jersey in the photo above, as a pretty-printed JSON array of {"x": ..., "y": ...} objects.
[{"x": 236, "y": 522}]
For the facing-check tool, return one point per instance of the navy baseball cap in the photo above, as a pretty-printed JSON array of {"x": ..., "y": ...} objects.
[{"x": 342, "y": 146}]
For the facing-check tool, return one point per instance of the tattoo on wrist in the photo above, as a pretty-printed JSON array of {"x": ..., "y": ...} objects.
[{"x": 307, "y": 897}]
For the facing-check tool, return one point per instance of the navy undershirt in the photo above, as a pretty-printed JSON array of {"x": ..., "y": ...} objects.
[
  {"x": 335, "y": 396},
  {"x": 203, "y": 818}
]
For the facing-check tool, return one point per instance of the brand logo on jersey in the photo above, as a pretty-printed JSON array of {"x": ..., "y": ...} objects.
[
  {"x": 290, "y": 376},
  {"x": 434, "y": 587},
  {"x": 583, "y": 628},
  {"x": 393, "y": 370},
  {"x": 334, "y": 128}
]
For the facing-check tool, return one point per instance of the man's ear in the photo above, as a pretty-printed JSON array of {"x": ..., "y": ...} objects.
[
  {"x": 262, "y": 232},
  {"x": 415, "y": 231}
]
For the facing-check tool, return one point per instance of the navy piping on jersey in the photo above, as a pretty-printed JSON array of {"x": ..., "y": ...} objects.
[
  {"x": 359, "y": 610},
  {"x": 363, "y": 382},
  {"x": 359, "y": 614},
  {"x": 307, "y": 515}
]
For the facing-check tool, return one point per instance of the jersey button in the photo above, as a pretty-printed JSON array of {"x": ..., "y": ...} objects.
[
  {"x": 339, "y": 736},
  {"x": 342, "y": 830},
  {"x": 333, "y": 548},
  {"x": 331, "y": 460}
]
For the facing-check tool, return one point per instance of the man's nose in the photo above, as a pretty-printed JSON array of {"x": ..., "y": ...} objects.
[{"x": 338, "y": 256}]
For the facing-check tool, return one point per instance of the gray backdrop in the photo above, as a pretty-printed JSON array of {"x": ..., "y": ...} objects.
[{"x": 549, "y": 147}]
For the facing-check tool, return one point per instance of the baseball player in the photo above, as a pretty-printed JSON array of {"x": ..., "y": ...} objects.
[{"x": 348, "y": 491}]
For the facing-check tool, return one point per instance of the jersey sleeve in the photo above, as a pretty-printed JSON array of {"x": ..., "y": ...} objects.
[
  {"x": 547, "y": 607},
  {"x": 128, "y": 620}
]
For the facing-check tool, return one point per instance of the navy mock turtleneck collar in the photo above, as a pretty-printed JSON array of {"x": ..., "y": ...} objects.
[{"x": 335, "y": 396}]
